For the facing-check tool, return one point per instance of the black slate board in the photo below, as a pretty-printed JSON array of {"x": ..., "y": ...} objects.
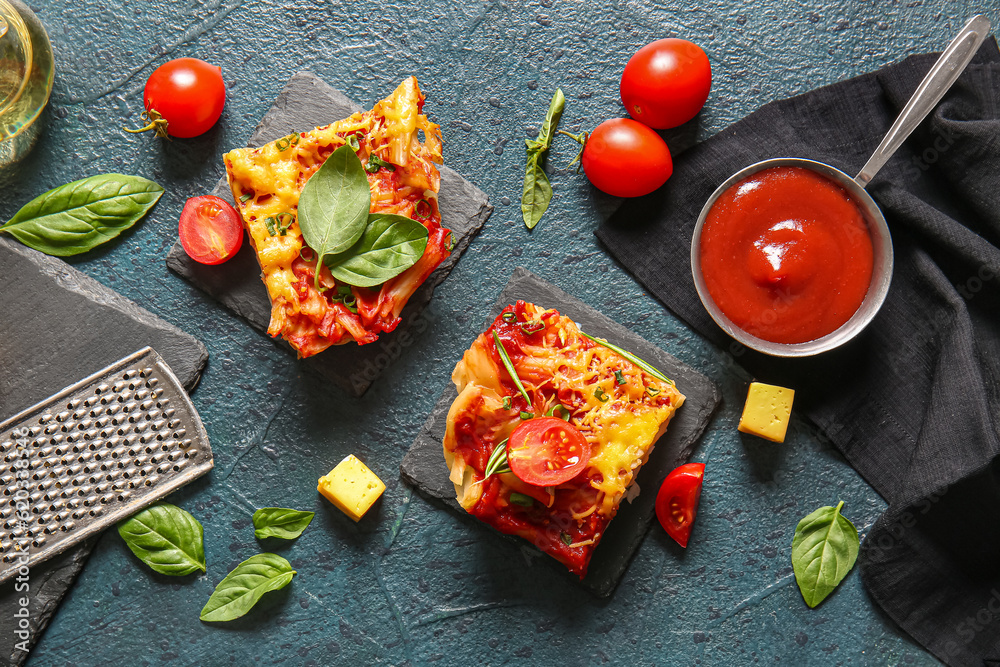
[
  {"x": 424, "y": 467},
  {"x": 57, "y": 327},
  {"x": 306, "y": 102}
]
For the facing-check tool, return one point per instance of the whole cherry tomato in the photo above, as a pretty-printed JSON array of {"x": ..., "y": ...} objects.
[
  {"x": 677, "y": 501},
  {"x": 547, "y": 451},
  {"x": 666, "y": 83},
  {"x": 210, "y": 230},
  {"x": 626, "y": 159},
  {"x": 183, "y": 98}
]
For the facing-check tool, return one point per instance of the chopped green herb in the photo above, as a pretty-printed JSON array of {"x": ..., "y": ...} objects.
[
  {"x": 521, "y": 499},
  {"x": 509, "y": 317},
  {"x": 652, "y": 391},
  {"x": 537, "y": 191},
  {"x": 600, "y": 395},
  {"x": 558, "y": 407},
  {"x": 375, "y": 163},
  {"x": 510, "y": 368},
  {"x": 619, "y": 378},
  {"x": 246, "y": 196},
  {"x": 631, "y": 357},
  {"x": 284, "y": 221},
  {"x": 497, "y": 463},
  {"x": 565, "y": 537},
  {"x": 527, "y": 415},
  {"x": 346, "y": 297},
  {"x": 285, "y": 143},
  {"x": 532, "y": 326}
]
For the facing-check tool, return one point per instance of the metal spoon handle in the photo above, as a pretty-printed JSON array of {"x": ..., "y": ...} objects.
[{"x": 930, "y": 91}]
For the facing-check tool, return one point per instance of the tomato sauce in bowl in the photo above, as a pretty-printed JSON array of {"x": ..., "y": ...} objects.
[{"x": 786, "y": 255}]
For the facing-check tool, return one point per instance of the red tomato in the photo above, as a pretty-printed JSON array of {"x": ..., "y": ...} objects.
[
  {"x": 677, "y": 501},
  {"x": 626, "y": 159},
  {"x": 210, "y": 230},
  {"x": 547, "y": 451},
  {"x": 666, "y": 83},
  {"x": 188, "y": 94}
]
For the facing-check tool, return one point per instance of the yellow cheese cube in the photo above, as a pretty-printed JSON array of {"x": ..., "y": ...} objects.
[
  {"x": 352, "y": 487},
  {"x": 767, "y": 411}
]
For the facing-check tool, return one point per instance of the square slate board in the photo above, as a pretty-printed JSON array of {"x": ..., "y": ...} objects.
[
  {"x": 304, "y": 103},
  {"x": 424, "y": 467},
  {"x": 83, "y": 327}
]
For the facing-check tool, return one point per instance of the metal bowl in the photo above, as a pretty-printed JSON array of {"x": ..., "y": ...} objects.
[{"x": 877, "y": 289}]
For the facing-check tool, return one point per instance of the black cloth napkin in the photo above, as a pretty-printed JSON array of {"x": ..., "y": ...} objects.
[{"x": 914, "y": 402}]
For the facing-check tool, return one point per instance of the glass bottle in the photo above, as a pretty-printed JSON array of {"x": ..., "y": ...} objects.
[{"x": 25, "y": 79}]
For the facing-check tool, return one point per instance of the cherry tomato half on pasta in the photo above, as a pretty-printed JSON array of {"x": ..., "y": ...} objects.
[
  {"x": 547, "y": 451},
  {"x": 184, "y": 98},
  {"x": 626, "y": 159},
  {"x": 666, "y": 83},
  {"x": 210, "y": 230},
  {"x": 677, "y": 501}
]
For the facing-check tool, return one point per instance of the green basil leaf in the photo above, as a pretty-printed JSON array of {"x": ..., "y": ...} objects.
[
  {"x": 537, "y": 193},
  {"x": 245, "y": 585},
  {"x": 824, "y": 549},
  {"x": 389, "y": 245},
  {"x": 166, "y": 538},
  {"x": 81, "y": 215},
  {"x": 280, "y": 522},
  {"x": 333, "y": 206}
]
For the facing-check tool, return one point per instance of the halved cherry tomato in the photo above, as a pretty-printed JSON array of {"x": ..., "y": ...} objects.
[
  {"x": 547, "y": 451},
  {"x": 666, "y": 83},
  {"x": 183, "y": 98},
  {"x": 210, "y": 230},
  {"x": 626, "y": 159},
  {"x": 677, "y": 501}
]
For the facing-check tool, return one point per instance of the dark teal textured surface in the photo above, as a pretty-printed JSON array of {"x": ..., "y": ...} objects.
[{"x": 413, "y": 584}]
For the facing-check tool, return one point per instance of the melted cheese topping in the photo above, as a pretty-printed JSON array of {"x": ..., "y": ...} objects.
[
  {"x": 266, "y": 184},
  {"x": 620, "y": 409}
]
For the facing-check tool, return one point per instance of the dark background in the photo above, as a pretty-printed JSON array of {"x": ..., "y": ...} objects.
[{"x": 414, "y": 583}]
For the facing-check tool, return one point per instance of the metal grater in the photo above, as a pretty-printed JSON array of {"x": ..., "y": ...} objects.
[{"x": 94, "y": 454}]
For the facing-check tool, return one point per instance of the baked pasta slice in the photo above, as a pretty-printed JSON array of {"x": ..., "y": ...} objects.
[
  {"x": 266, "y": 184},
  {"x": 619, "y": 410}
]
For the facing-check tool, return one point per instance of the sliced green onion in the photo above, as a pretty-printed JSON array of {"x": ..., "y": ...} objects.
[
  {"x": 352, "y": 141},
  {"x": 271, "y": 230},
  {"x": 509, "y": 317},
  {"x": 532, "y": 326},
  {"x": 306, "y": 249},
  {"x": 497, "y": 462},
  {"x": 375, "y": 163},
  {"x": 521, "y": 499},
  {"x": 619, "y": 378},
  {"x": 527, "y": 415},
  {"x": 510, "y": 368},
  {"x": 506, "y": 403},
  {"x": 631, "y": 357},
  {"x": 652, "y": 391},
  {"x": 246, "y": 196},
  {"x": 558, "y": 407},
  {"x": 565, "y": 537},
  {"x": 600, "y": 395}
]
